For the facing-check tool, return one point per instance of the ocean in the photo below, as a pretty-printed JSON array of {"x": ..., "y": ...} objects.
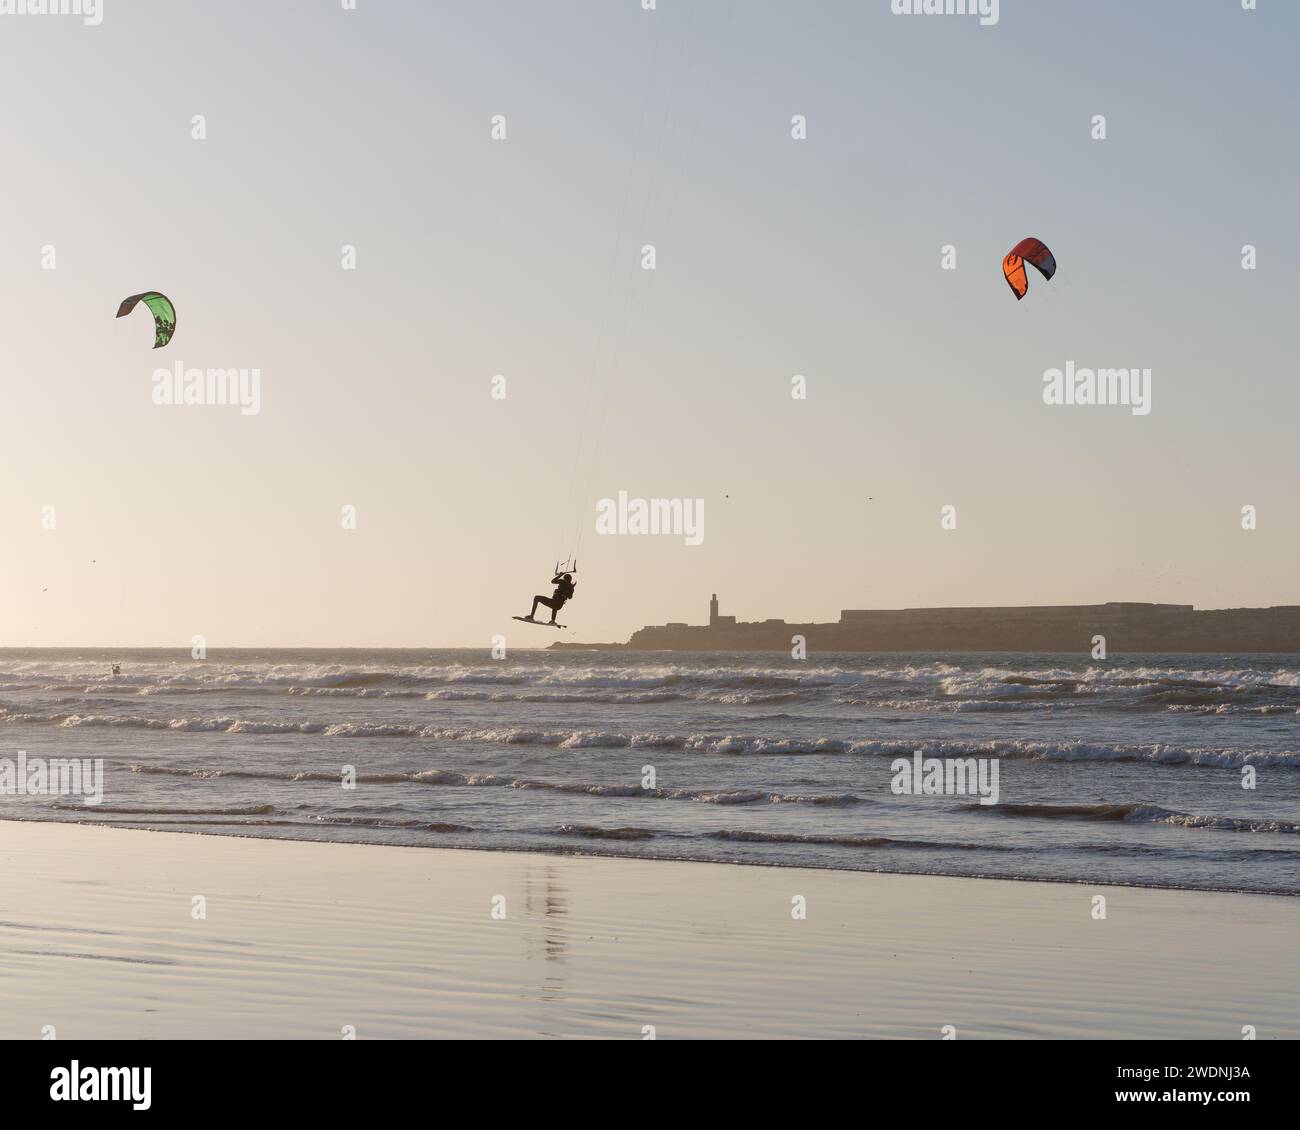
[{"x": 1127, "y": 771}]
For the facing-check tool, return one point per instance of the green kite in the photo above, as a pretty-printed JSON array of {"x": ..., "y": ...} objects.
[{"x": 164, "y": 314}]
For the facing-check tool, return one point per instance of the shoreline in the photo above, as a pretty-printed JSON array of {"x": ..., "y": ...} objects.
[
  {"x": 593, "y": 853},
  {"x": 308, "y": 939}
]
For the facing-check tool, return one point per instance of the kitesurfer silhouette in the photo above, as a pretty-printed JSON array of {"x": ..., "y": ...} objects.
[{"x": 564, "y": 587}]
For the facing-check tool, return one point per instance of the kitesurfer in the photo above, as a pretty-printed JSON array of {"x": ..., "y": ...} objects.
[{"x": 564, "y": 587}]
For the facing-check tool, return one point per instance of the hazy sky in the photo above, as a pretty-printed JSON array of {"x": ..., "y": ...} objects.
[{"x": 521, "y": 257}]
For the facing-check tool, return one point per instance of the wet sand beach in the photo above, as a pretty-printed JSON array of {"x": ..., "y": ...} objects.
[{"x": 114, "y": 933}]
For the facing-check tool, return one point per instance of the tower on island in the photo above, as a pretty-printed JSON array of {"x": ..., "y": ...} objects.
[{"x": 713, "y": 610}]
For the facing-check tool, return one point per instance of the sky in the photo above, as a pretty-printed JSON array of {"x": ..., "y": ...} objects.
[{"x": 131, "y": 523}]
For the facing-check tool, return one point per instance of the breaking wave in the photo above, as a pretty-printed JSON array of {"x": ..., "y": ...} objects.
[
  {"x": 1160, "y": 753},
  {"x": 933, "y": 686},
  {"x": 454, "y": 778},
  {"x": 1138, "y": 814}
]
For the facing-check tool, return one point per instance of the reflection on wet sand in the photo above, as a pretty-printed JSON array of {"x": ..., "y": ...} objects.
[{"x": 546, "y": 904}]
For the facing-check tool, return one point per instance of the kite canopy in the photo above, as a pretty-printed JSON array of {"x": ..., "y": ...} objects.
[
  {"x": 164, "y": 314},
  {"x": 1029, "y": 250}
]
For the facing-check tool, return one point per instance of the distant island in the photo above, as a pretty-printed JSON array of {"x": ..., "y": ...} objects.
[{"x": 1127, "y": 627}]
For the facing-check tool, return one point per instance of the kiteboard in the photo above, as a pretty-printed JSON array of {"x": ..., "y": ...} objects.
[{"x": 544, "y": 623}]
